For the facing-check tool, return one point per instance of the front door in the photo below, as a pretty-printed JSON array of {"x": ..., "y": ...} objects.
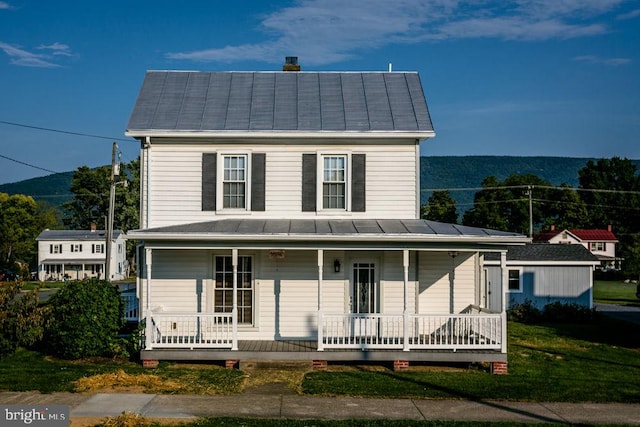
[
  {"x": 365, "y": 292},
  {"x": 365, "y": 302}
]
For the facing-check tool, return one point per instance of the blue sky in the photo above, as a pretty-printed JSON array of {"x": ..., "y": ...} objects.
[{"x": 522, "y": 78}]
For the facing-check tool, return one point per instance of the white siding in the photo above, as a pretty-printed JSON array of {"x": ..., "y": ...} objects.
[
  {"x": 286, "y": 290},
  {"x": 176, "y": 182},
  {"x": 434, "y": 291}
]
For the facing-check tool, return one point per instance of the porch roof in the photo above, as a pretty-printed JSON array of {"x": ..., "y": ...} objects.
[{"x": 314, "y": 231}]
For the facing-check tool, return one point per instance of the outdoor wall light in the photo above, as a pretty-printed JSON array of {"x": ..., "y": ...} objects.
[{"x": 336, "y": 266}]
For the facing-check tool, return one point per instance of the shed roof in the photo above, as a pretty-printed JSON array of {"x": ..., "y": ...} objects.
[
  {"x": 187, "y": 101},
  {"x": 546, "y": 252}
]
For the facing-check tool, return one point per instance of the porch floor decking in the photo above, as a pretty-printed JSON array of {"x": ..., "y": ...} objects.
[{"x": 294, "y": 350}]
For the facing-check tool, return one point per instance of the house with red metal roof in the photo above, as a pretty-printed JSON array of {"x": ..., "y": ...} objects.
[{"x": 600, "y": 242}]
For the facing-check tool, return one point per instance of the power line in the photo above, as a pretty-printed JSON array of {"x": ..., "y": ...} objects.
[
  {"x": 28, "y": 164},
  {"x": 65, "y": 131},
  {"x": 533, "y": 187}
]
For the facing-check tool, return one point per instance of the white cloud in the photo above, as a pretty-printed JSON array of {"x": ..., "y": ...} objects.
[
  {"x": 593, "y": 59},
  {"x": 4, "y": 5},
  {"x": 326, "y": 31},
  {"x": 26, "y": 59},
  {"x": 629, "y": 15},
  {"x": 57, "y": 49}
]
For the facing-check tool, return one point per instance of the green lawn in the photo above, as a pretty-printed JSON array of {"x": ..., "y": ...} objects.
[
  {"x": 615, "y": 292},
  {"x": 595, "y": 361}
]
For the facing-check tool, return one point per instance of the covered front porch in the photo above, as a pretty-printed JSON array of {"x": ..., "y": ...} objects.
[{"x": 341, "y": 296}]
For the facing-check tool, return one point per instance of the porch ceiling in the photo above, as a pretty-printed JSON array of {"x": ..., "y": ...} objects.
[{"x": 321, "y": 232}]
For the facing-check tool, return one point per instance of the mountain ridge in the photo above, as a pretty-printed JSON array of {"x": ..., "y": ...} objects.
[{"x": 461, "y": 175}]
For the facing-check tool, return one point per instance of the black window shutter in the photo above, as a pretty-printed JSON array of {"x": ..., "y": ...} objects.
[
  {"x": 309, "y": 174},
  {"x": 257, "y": 181},
  {"x": 209, "y": 181},
  {"x": 358, "y": 183}
]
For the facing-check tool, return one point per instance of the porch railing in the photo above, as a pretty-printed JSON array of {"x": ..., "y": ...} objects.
[
  {"x": 191, "y": 330},
  {"x": 478, "y": 331},
  {"x": 447, "y": 331}
]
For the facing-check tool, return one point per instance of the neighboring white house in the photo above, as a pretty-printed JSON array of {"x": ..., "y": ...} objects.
[
  {"x": 542, "y": 273},
  {"x": 80, "y": 254},
  {"x": 601, "y": 243},
  {"x": 280, "y": 220}
]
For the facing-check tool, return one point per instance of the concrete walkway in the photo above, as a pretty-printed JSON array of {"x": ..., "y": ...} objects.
[{"x": 186, "y": 407}]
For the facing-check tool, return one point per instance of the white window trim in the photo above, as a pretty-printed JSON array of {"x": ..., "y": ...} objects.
[
  {"x": 521, "y": 285},
  {"x": 254, "y": 308},
  {"x": 320, "y": 182},
  {"x": 220, "y": 182}
]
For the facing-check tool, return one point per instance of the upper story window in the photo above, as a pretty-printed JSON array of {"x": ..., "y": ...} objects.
[
  {"x": 234, "y": 182},
  {"x": 334, "y": 182},
  {"x": 97, "y": 248},
  {"x": 76, "y": 247},
  {"x": 55, "y": 249},
  {"x": 597, "y": 246}
]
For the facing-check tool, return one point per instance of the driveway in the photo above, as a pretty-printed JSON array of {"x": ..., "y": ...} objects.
[{"x": 621, "y": 312}]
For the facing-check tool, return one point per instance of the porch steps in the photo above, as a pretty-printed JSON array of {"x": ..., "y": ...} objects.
[{"x": 289, "y": 365}]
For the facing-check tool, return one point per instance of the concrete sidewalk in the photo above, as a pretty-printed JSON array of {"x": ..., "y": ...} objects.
[{"x": 185, "y": 407}]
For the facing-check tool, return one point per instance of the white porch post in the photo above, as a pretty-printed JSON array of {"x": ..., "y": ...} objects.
[
  {"x": 405, "y": 313},
  {"x": 234, "y": 310},
  {"x": 148, "y": 330},
  {"x": 320, "y": 278},
  {"x": 505, "y": 285}
]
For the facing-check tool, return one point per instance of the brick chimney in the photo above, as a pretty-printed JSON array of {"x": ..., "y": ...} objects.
[
  {"x": 291, "y": 64},
  {"x": 553, "y": 227},
  {"x": 609, "y": 228},
  {"x": 92, "y": 227}
]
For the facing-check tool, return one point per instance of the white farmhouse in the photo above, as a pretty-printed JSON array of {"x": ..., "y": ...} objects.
[
  {"x": 80, "y": 254},
  {"x": 280, "y": 220}
]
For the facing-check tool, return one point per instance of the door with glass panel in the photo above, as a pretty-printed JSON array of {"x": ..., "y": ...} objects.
[{"x": 365, "y": 302}]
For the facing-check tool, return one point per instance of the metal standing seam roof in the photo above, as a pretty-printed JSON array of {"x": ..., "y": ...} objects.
[
  {"x": 187, "y": 101},
  {"x": 76, "y": 235},
  {"x": 380, "y": 228}
]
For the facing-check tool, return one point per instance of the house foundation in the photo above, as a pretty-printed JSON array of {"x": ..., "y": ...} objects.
[{"x": 499, "y": 368}]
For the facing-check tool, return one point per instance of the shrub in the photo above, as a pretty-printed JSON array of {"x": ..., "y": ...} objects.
[
  {"x": 21, "y": 318},
  {"x": 526, "y": 312},
  {"x": 564, "y": 312},
  {"x": 85, "y": 319},
  {"x": 556, "y": 312}
]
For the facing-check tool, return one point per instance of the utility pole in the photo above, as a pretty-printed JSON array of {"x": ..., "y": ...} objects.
[
  {"x": 529, "y": 192},
  {"x": 115, "y": 171}
]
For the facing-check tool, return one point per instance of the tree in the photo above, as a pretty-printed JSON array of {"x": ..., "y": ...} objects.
[
  {"x": 565, "y": 209},
  {"x": 440, "y": 207},
  {"x": 21, "y": 220},
  {"x": 619, "y": 204},
  {"x": 90, "y": 203},
  {"x": 505, "y": 205}
]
